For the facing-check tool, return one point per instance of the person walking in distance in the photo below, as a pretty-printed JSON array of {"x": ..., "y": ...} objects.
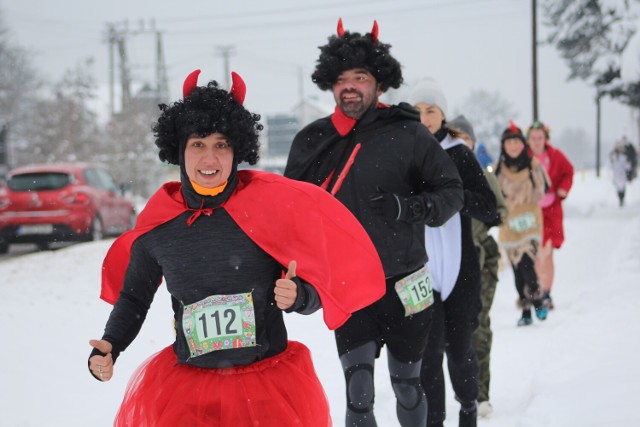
[
  {"x": 621, "y": 167},
  {"x": 387, "y": 169}
]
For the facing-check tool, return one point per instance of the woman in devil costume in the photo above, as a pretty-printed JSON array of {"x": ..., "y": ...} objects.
[{"x": 221, "y": 238}]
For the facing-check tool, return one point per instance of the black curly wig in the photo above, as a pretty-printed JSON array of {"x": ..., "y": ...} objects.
[
  {"x": 206, "y": 110},
  {"x": 352, "y": 50}
]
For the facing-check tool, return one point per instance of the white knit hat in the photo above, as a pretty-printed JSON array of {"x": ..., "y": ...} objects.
[{"x": 428, "y": 91}]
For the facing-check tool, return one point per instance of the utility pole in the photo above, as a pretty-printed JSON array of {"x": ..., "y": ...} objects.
[
  {"x": 598, "y": 129},
  {"x": 225, "y": 52},
  {"x": 125, "y": 77},
  {"x": 111, "y": 39},
  {"x": 162, "y": 85},
  {"x": 303, "y": 105},
  {"x": 534, "y": 56},
  {"x": 4, "y": 149},
  {"x": 117, "y": 36}
]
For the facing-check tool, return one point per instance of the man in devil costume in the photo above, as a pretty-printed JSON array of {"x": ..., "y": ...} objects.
[
  {"x": 236, "y": 249},
  {"x": 393, "y": 175}
]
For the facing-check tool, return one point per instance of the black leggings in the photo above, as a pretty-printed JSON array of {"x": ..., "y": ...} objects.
[
  {"x": 411, "y": 403},
  {"x": 453, "y": 324},
  {"x": 359, "y": 341},
  {"x": 526, "y": 281}
]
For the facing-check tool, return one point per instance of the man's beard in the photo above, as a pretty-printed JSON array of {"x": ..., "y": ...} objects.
[{"x": 355, "y": 110}]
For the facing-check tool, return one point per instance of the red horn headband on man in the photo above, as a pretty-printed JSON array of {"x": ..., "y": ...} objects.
[
  {"x": 374, "y": 30},
  {"x": 238, "y": 88}
]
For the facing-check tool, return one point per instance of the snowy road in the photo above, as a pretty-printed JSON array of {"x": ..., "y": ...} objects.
[{"x": 579, "y": 368}]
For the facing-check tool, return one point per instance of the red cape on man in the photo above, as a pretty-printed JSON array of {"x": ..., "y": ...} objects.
[{"x": 290, "y": 220}]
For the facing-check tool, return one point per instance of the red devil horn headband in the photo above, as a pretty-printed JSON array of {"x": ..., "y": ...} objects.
[
  {"x": 513, "y": 127},
  {"x": 238, "y": 88},
  {"x": 190, "y": 83},
  {"x": 374, "y": 30}
]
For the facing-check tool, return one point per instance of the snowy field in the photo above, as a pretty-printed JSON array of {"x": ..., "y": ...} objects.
[{"x": 578, "y": 368}]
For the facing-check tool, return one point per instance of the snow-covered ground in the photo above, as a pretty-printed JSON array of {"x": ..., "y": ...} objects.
[{"x": 578, "y": 368}]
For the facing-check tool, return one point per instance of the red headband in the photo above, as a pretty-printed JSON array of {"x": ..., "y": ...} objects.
[
  {"x": 340, "y": 28},
  {"x": 374, "y": 30},
  {"x": 190, "y": 83},
  {"x": 238, "y": 88}
]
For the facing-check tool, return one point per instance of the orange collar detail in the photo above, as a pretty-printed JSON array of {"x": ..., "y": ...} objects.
[{"x": 204, "y": 191}]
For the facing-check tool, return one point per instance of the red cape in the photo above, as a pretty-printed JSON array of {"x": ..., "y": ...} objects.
[{"x": 290, "y": 220}]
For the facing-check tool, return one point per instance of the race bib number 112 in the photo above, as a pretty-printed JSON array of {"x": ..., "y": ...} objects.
[{"x": 219, "y": 322}]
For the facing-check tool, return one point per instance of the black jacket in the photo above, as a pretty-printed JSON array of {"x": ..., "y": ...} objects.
[{"x": 398, "y": 155}]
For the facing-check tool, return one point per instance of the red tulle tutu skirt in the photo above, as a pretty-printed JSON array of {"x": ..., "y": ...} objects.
[{"x": 280, "y": 391}]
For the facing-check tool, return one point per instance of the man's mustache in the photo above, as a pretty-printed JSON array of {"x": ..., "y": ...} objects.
[{"x": 350, "y": 91}]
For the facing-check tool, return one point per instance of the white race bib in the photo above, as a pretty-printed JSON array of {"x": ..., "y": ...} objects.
[
  {"x": 219, "y": 322},
  {"x": 415, "y": 291},
  {"x": 523, "y": 222}
]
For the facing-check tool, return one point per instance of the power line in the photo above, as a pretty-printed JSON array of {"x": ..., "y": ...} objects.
[
  {"x": 272, "y": 11},
  {"x": 117, "y": 36},
  {"x": 393, "y": 8}
]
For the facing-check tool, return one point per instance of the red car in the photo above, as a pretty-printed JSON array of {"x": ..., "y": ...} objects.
[{"x": 43, "y": 204}]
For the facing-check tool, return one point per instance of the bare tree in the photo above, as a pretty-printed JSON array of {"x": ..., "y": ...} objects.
[
  {"x": 489, "y": 114},
  {"x": 19, "y": 85},
  {"x": 572, "y": 141},
  {"x": 129, "y": 148},
  {"x": 62, "y": 127}
]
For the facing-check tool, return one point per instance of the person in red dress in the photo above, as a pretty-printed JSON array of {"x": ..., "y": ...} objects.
[
  {"x": 560, "y": 171},
  {"x": 237, "y": 249}
]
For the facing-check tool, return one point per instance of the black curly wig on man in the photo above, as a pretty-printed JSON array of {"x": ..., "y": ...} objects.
[
  {"x": 206, "y": 110},
  {"x": 353, "y": 50}
]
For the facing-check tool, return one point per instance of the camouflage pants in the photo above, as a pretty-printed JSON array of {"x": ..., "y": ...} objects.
[{"x": 483, "y": 336}]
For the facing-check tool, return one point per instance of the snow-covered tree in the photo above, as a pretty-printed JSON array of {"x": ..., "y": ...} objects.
[{"x": 591, "y": 35}]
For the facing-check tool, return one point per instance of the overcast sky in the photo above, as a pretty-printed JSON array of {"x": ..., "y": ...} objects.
[{"x": 463, "y": 44}]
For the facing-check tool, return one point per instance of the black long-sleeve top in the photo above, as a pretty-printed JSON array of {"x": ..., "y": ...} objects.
[{"x": 213, "y": 256}]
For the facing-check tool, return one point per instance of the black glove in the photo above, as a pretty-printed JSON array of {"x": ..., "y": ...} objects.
[
  {"x": 390, "y": 205},
  {"x": 496, "y": 221}
]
